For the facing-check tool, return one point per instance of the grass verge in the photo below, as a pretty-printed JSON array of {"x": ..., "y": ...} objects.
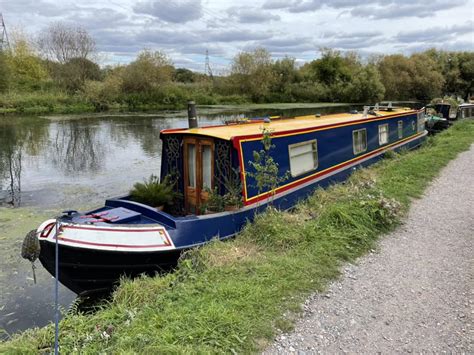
[{"x": 233, "y": 296}]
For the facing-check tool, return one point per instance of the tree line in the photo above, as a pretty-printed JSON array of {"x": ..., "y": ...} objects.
[{"x": 60, "y": 64}]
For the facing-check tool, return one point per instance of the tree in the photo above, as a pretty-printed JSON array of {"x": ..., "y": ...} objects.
[
  {"x": 148, "y": 71},
  {"x": 183, "y": 75},
  {"x": 332, "y": 67},
  {"x": 61, "y": 42},
  {"x": 252, "y": 73},
  {"x": 365, "y": 87},
  {"x": 285, "y": 73},
  {"x": 27, "y": 70},
  {"x": 4, "y": 73},
  {"x": 76, "y": 71}
]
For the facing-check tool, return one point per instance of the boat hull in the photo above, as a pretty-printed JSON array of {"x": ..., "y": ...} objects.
[{"x": 87, "y": 271}]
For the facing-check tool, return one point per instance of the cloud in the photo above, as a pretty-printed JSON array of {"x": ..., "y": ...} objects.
[
  {"x": 251, "y": 15},
  {"x": 236, "y": 36},
  {"x": 370, "y": 8},
  {"x": 394, "y": 9},
  {"x": 278, "y": 4},
  {"x": 435, "y": 34},
  {"x": 180, "y": 11},
  {"x": 350, "y": 41}
]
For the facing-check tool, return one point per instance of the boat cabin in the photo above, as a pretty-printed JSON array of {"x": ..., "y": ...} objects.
[
  {"x": 216, "y": 159},
  {"x": 465, "y": 111}
]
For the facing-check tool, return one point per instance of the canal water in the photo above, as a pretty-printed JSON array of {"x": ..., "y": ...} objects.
[{"x": 48, "y": 164}]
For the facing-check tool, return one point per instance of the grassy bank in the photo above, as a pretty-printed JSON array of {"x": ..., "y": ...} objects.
[
  {"x": 234, "y": 296},
  {"x": 43, "y": 102}
]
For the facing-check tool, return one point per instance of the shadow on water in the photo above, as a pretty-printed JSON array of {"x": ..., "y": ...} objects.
[{"x": 50, "y": 164}]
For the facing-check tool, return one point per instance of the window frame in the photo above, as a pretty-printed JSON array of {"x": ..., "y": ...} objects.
[
  {"x": 388, "y": 133},
  {"x": 400, "y": 129},
  {"x": 353, "y": 141},
  {"x": 314, "y": 152}
]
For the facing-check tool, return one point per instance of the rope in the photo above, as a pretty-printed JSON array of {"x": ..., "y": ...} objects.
[{"x": 56, "y": 291}]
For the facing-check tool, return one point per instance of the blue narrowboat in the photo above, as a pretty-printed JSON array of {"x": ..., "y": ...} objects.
[{"x": 125, "y": 237}]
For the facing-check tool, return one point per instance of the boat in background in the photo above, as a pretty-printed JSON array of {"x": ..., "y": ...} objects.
[{"x": 128, "y": 238}]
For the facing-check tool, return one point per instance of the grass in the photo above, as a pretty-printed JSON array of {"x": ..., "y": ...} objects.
[{"x": 234, "y": 296}]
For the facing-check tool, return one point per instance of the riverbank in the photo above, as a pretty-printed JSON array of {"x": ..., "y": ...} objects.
[
  {"x": 44, "y": 103},
  {"x": 233, "y": 296}
]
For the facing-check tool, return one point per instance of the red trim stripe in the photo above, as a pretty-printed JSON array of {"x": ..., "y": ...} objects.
[
  {"x": 317, "y": 175},
  {"x": 113, "y": 245},
  {"x": 113, "y": 229}
]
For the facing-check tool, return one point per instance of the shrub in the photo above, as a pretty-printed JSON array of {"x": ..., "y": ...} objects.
[{"x": 152, "y": 192}]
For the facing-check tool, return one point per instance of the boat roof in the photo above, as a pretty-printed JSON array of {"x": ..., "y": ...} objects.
[{"x": 277, "y": 124}]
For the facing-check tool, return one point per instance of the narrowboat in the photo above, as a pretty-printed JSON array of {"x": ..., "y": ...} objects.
[{"x": 127, "y": 238}]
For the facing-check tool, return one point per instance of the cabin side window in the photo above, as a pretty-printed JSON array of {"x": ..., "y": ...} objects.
[
  {"x": 359, "y": 141},
  {"x": 303, "y": 157},
  {"x": 383, "y": 134},
  {"x": 400, "y": 129},
  {"x": 421, "y": 122}
]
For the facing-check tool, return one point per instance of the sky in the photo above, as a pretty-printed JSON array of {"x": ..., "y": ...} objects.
[{"x": 185, "y": 29}]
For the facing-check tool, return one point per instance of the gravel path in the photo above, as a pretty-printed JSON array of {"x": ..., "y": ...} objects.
[{"x": 414, "y": 294}]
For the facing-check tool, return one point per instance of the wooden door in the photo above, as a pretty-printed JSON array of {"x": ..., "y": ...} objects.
[{"x": 198, "y": 172}]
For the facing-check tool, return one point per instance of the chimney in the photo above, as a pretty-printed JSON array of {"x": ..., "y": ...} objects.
[{"x": 192, "y": 117}]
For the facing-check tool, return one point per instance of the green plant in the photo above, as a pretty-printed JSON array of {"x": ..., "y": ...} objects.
[
  {"x": 266, "y": 172},
  {"x": 214, "y": 202},
  {"x": 152, "y": 192}
]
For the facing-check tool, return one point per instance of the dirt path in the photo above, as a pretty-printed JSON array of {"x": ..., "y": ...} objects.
[{"x": 415, "y": 293}]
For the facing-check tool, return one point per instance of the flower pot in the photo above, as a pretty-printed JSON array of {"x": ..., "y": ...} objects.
[
  {"x": 231, "y": 208},
  {"x": 160, "y": 208}
]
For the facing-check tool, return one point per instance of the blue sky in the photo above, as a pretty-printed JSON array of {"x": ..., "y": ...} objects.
[{"x": 184, "y": 29}]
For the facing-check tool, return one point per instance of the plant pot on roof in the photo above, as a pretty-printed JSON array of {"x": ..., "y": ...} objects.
[{"x": 153, "y": 192}]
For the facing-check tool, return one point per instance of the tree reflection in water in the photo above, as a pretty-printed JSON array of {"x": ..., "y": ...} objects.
[
  {"x": 17, "y": 135},
  {"x": 77, "y": 147}
]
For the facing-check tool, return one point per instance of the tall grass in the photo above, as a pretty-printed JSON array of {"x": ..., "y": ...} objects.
[{"x": 234, "y": 296}]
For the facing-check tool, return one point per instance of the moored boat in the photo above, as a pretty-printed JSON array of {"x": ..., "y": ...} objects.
[{"x": 125, "y": 237}]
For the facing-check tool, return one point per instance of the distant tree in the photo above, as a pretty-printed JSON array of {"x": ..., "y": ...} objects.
[
  {"x": 27, "y": 69},
  {"x": 149, "y": 70},
  {"x": 183, "y": 75},
  {"x": 365, "y": 86},
  {"x": 466, "y": 69},
  {"x": 457, "y": 69},
  {"x": 76, "y": 71},
  {"x": 62, "y": 42},
  {"x": 427, "y": 80},
  {"x": 332, "y": 67},
  {"x": 396, "y": 72},
  {"x": 5, "y": 74},
  {"x": 285, "y": 73},
  {"x": 252, "y": 73}
]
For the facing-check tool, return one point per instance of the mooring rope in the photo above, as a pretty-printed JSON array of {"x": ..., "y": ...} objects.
[{"x": 56, "y": 290}]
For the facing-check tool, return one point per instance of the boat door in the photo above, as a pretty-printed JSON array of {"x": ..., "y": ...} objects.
[{"x": 198, "y": 172}]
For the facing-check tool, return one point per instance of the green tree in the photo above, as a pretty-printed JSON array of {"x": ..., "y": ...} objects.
[
  {"x": 74, "y": 73},
  {"x": 252, "y": 74},
  {"x": 4, "y": 73},
  {"x": 285, "y": 73},
  {"x": 332, "y": 67},
  {"x": 27, "y": 69},
  {"x": 183, "y": 75},
  {"x": 365, "y": 86},
  {"x": 148, "y": 71}
]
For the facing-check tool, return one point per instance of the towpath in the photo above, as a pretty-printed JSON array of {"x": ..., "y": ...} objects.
[{"x": 415, "y": 293}]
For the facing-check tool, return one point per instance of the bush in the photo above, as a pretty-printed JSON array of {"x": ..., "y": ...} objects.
[{"x": 152, "y": 192}]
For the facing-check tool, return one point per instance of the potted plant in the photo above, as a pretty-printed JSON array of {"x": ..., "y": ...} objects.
[
  {"x": 214, "y": 202},
  {"x": 153, "y": 192},
  {"x": 232, "y": 201}
]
